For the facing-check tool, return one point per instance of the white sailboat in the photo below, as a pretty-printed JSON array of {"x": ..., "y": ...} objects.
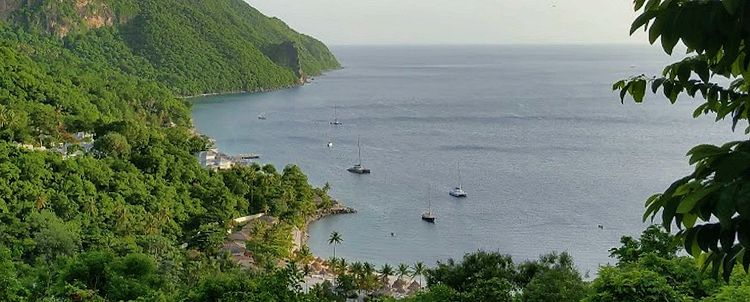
[
  {"x": 459, "y": 190},
  {"x": 429, "y": 216},
  {"x": 335, "y": 121},
  {"x": 359, "y": 168}
]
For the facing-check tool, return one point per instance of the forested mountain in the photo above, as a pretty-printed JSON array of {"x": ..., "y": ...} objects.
[
  {"x": 192, "y": 47},
  {"x": 101, "y": 196}
]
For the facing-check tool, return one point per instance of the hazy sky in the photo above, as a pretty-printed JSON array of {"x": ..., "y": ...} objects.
[{"x": 457, "y": 21}]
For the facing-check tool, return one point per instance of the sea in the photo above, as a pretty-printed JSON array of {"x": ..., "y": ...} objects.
[{"x": 546, "y": 150}]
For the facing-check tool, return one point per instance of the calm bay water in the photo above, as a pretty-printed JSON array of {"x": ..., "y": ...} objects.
[{"x": 547, "y": 152}]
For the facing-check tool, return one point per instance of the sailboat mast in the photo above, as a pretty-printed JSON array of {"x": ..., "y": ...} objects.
[
  {"x": 359, "y": 152},
  {"x": 459, "y": 175},
  {"x": 429, "y": 201}
]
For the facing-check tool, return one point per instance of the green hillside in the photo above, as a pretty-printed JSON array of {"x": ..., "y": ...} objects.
[
  {"x": 101, "y": 195},
  {"x": 192, "y": 47}
]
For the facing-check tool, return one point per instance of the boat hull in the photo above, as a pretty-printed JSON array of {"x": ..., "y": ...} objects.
[
  {"x": 358, "y": 171},
  {"x": 428, "y": 219},
  {"x": 457, "y": 194}
]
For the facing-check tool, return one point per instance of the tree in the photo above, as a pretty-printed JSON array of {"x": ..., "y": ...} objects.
[
  {"x": 112, "y": 144},
  {"x": 717, "y": 193},
  {"x": 631, "y": 284},
  {"x": 10, "y": 288},
  {"x": 385, "y": 271},
  {"x": 335, "y": 239},
  {"x": 495, "y": 289},
  {"x": 654, "y": 240},
  {"x": 304, "y": 255},
  {"x": 555, "y": 278},
  {"x": 419, "y": 269},
  {"x": 481, "y": 265},
  {"x": 403, "y": 270}
]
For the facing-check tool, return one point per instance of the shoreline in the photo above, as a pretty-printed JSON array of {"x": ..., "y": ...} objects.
[
  {"x": 300, "y": 236},
  {"x": 306, "y": 81}
]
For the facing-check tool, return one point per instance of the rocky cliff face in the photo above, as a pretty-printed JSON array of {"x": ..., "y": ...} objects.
[
  {"x": 286, "y": 54},
  {"x": 58, "y": 17}
]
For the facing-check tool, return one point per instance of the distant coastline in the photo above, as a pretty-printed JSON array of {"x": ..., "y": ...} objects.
[{"x": 303, "y": 82}]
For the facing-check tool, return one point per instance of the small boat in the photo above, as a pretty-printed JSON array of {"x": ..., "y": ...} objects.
[
  {"x": 335, "y": 121},
  {"x": 429, "y": 216},
  {"x": 249, "y": 156},
  {"x": 359, "y": 168},
  {"x": 262, "y": 116},
  {"x": 458, "y": 191},
  {"x": 330, "y": 145}
]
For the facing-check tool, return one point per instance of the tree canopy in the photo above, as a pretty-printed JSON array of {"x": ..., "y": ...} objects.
[{"x": 710, "y": 206}]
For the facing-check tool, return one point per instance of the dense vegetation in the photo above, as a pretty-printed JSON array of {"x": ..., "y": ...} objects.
[
  {"x": 192, "y": 47},
  {"x": 650, "y": 268},
  {"x": 136, "y": 217}
]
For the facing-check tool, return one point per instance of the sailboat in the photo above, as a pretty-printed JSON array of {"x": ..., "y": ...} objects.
[
  {"x": 335, "y": 121},
  {"x": 358, "y": 168},
  {"x": 429, "y": 216},
  {"x": 458, "y": 191}
]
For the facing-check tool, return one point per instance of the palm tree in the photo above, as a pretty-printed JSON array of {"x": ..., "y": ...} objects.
[
  {"x": 386, "y": 271},
  {"x": 304, "y": 255},
  {"x": 419, "y": 270},
  {"x": 403, "y": 270},
  {"x": 340, "y": 265},
  {"x": 368, "y": 276},
  {"x": 357, "y": 271},
  {"x": 335, "y": 239}
]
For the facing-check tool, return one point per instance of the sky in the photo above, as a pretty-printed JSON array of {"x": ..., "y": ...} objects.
[{"x": 346, "y": 22}]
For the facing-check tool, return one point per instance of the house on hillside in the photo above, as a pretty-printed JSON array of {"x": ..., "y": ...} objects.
[{"x": 215, "y": 160}]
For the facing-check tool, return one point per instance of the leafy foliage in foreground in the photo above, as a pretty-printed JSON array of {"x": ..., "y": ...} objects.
[{"x": 717, "y": 193}]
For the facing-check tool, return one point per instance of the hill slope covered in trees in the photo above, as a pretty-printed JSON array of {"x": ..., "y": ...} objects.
[
  {"x": 135, "y": 217},
  {"x": 192, "y": 47}
]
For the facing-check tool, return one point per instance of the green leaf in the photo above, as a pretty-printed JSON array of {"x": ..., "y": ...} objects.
[
  {"x": 637, "y": 4},
  {"x": 688, "y": 203},
  {"x": 669, "y": 41},
  {"x": 668, "y": 86},
  {"x": 700, "y": 152},
  {"x": 688, "y": 220},
  {"x": 690, "y": 243},
  {"x": 618, "y": 85},
  {"x": 699, "y": 111},
  {"x": 732, "y": 165},
  {"x": 656, "y": 84},
  {"x": 641, "y": 20},
  {"x": 638, "y": 90},
  {"x": 701, "y": 68},
  {"x": 655, "y": 31},
  {"x": 683, "y": 72},
  {"x": 725, "y": 206}
]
